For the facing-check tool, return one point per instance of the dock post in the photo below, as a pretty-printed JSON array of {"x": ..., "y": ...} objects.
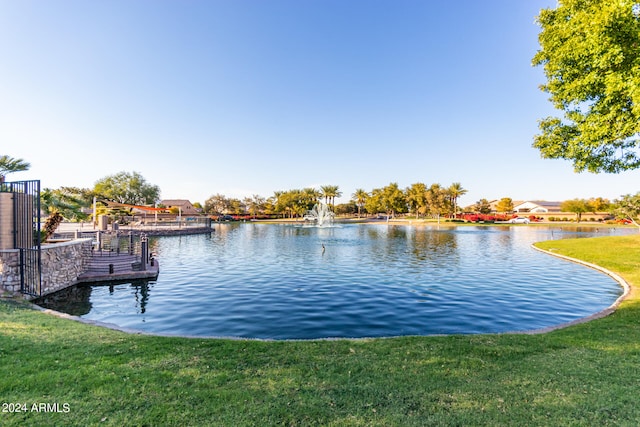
[{"x": 144, "y": 251}]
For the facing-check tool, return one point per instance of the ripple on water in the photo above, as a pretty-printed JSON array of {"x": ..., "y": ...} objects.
[{"x": 274, "y": 281}]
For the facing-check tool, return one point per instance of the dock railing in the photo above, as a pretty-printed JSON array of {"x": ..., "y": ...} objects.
[
  {"x": 111, "y": 243},
  {"x": 136, "y": 225}
]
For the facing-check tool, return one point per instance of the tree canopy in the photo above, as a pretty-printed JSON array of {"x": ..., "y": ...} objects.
[
  {"x": 577, "y": 206},
  {"x": 590, "y": 52},
  {"x": 416, "y": 197},
  {"x": 438, "y": 201},
  {"x": 9, "y": 165},
  {"x": 482, "y": 206},
  {"x": 129, "y": 188},
  {"x": 505, "y": 205},
  {"x": 628, "y": 207}
]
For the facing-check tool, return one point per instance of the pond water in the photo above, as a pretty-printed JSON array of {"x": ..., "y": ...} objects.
[{"x": 272, "y": 281}]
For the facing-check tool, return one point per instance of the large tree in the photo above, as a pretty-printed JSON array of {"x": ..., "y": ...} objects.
[
  {"x": 295, "y": 202},
  {"x": 217, "y": 204},
  {"x": 255, "y": 204},
  {"x": 577, "y": 206},
  {"x": 393, "y": 200},
  {"x": 590, "y": 51},
  {"x": 374, "y": 202},
  {"x": 129, "y": 188},
  {"x": 482, "y": 206},
  {"x": 628, "y": 207},
  {"x": 505, "y": 205},
  {"x": 438, "y": 201},
  {"x": 417, "y": 198},
  {"x": 599, "y": 204}
]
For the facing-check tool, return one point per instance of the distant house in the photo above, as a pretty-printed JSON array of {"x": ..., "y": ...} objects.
[
  {"x": 185, "y": 206},
  {"x": 543, "y": 210},
  {"x": 537, "y": 206},
  {"x": 519, "y": 206}
]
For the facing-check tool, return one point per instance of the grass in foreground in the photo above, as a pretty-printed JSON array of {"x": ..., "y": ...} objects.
[{"x": 583, "y": 375}]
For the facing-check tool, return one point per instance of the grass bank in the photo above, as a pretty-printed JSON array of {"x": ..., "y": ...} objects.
[{"x": 583, "y": 375}]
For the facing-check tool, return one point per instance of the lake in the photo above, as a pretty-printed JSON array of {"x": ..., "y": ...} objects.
[{"x": 283, "y": 281}]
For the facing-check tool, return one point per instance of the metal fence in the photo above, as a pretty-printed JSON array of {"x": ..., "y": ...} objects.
[
  {"x": 177, "y": 224},
  {"x": 26, "y": 232},
  {"x": 107, "y": 243},
  {"x": 116, "y": 243},
  {"x": 137, "y": 226}
]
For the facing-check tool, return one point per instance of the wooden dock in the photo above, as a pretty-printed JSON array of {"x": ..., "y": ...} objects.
[{"x": 118, "y": 267}]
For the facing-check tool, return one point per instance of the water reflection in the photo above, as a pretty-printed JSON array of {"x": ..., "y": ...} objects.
[
  {"x": 76, "y": 300},
  {"x": 141, "y": 294},
  {"x": 425, "y": 244}
]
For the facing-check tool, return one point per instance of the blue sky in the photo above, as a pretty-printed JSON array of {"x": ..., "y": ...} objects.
[{"x": 243, "y": 97}]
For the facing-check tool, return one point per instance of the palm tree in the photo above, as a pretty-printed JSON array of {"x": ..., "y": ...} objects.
[
  {"x": 311, "y": 194},
  {"x": 59, "y": 204},
  {"x": 51, "y": 224},
  {"x": 324, "y": 190},
  {"x": 336, "y": 193},
  {"x": 10, "y": 165},
  {"x": 455, "y": 191},
  {"x": 330, "y": 192},
  {"x": 360, "y": 198}
]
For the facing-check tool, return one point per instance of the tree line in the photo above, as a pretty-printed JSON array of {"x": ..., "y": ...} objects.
[{"x": 419, "y": 200}]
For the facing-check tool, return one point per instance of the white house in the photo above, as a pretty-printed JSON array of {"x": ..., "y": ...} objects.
[{"x": 536, "y": 207}]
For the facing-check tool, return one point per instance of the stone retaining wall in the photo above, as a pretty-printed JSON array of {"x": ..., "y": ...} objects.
[
  {"x": 62, "y": 263},
  {"x": 10, "y": 270}
]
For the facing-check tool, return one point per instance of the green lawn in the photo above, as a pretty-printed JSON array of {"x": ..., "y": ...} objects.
[{"x": 583, "y": 375}]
